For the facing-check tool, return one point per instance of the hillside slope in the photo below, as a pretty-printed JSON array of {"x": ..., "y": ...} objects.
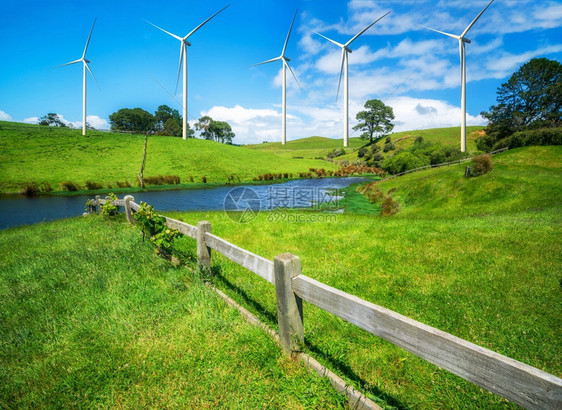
[{"x": 34, "y": 154}]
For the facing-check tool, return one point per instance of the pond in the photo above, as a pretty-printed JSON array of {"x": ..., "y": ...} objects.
[{"x": 302, "y": 193}]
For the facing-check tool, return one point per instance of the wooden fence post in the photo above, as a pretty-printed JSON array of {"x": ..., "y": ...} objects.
[
  {"x": 98, "y": 205},
  {"x": 128, "y": 212},
  {"x": 203, "y": 251},
  {"x": 289, "y": 305}
]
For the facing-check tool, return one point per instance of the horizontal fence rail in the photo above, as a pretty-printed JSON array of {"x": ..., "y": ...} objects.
[
  {"x": 518, "y": 382},
  {"x": 513, "y": 380}
]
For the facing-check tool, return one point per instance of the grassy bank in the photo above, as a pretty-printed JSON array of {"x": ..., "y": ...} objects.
[
  {"x": 90, "y": 317},
  {"x": 32, "y": 153},
  {"x": 478, "y": 258}
]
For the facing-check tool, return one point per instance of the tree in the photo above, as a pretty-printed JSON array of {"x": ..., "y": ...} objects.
[
  {"x": 52, "y": 119},
  {"x": 168, "y": 121},
  {"x": 376, "y": 120},
  {"x": 530, "y": 99},
  {"x": 219, "y": 131},
  {"x": 132, "y": 119}
]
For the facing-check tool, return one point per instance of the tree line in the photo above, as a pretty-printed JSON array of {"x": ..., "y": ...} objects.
[{"x": 168, "y": 121}]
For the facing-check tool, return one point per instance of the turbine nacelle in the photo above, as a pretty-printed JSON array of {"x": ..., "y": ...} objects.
[{"x": 466, "y": 40}]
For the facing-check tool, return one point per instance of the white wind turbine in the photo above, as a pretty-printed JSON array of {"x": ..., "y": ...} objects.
[
  {"x": 183, "y": 58},
  {"x": 462, "y": 41},
  {"x": 86, "y": 66},
  {"x": 286, "y": 65},
  {"x": 344, "y": 59}
]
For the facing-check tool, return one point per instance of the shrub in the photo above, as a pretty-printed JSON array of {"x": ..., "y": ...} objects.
[
  {"x": 482, "y": 165},
  {"x": 403, "y": 161},
  {"x": 543, "y": 136},
  {"x": 362, "y": 152},
  {"x": 418, "y": 140},
  {"x": 389, "y": 146},
  {"x": 375, "y": 148},
  {"x": 337, "y": 152},
  {"x": 387, "y": 140},
  {"x": 45, "y": 187},
  {"x": 29, "y": 189},
  {"x": 70, "y": 186},
  {"x": 155, "y": 226},
  {"x": 204, "y": 179},
  {"x": 124, "y": 184},
  {"x": 108, "y": 209},
  {"x": 389, "y": 206},
  {"x": 191, "y": 179},
  {"x": 172, "y": 179},
  {"x": 93, "y": 185}
]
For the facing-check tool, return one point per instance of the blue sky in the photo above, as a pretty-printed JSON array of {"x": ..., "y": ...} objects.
[{"x": 416, "y": 71}]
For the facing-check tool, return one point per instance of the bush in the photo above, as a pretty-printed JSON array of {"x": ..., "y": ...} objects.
[
  {"x": 204, "y": 179},
  {"x": 418, "y": 140},
  {"x": 543, "y": 136},
  {"x": 93, "y": 185},
  {"x": 108, "y": 209},
  {"x": 387, "y": 140},
  {"x": 337, "y": 152},
  {"x": 124, "y": 184},
  {"x": 29, "y": 189},
  {"x": 482, "y": 165},
  {"x": 45, "y": 187},
  {"x": 403, "y": 161},
  {"x": 362, "y": 152},
  {"x": 70, "y": 186},
  {"x": 389, "y": 146},
  {"x": 172, "y": 179},
  {"x": 389, "y": 206}
]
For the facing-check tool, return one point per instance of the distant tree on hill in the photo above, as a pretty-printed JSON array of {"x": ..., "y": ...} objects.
[
  {"x": 530, "y": 99},
  {"x": 169, "y": 122},
  {"x": 132, "y": 119},
  {"x": 52, "y": 119},
  {"x": 219, "y": 131},
  {"x": 376, "y": 120}
]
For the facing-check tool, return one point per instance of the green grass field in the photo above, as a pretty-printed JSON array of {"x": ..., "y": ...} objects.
[
  {"x": 32, "y": 153},
  {"x": 90, "y": 317},
  {"x": 479, "y": 258}
]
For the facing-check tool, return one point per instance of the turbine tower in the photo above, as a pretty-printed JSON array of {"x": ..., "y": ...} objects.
[
  {"x": 183, "y": 59},
  {"x": 286, "y": 65},
  {"x": 85, "y": 67},
  {"x": 462, "y": 41},
  {"x": 344, "y": 59}
]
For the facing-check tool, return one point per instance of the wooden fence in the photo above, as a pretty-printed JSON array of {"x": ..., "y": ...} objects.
[{"x": 515, "y": 381}]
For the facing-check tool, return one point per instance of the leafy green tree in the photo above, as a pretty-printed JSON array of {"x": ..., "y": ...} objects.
[
  {"x": 376, "y": 120},
  {"x": 169, "y": 122},
  {"x": 132, "y": 119},
  {"x": 219, "y": 131},
  {"x": 51, "y": 119},
  {"x": 530, "y": 99}
]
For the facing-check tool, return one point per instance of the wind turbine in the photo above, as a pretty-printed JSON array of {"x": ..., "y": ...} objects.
[
  {"x": 462, "y": 41},
  {"x": 86, "y": 66},
  {"x": 344, "y": 59},
  {"x": 183, "y": 58},
  {"x": 286, "y": 65}
]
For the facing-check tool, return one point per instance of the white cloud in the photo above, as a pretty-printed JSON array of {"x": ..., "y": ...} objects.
[
  {"x": 4, "y": 116},
  {"x": 31, "y": 120},
  {"x": 97, "y": 122},
  {"x": 415, "y": 114}
]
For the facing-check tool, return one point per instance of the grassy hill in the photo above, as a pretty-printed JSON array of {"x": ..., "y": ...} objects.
[
  {"x": 314, "y": 147},
  {"x": 478, "y": 258},
  {"x": 32, "y": 153}
]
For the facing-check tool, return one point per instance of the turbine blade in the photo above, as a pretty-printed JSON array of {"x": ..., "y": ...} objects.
[
  {"x": 330, "y": 40},
  {"x": 179, "y": 68},
  {"x": 265, "y": 62},
  {"x": 167, "y": 92},
  {"x": 90, "y": 36},
  {"x": 365, "y": 29},
  {"x": 291, "y": 70},
  {"x": 205, "y": 22},
  {"x": 167, "y": 32},
  {"x": 288, "y": 34},
  {"x": 72, "y": 62},
  {"x": 474, "y": 21},
  {"x": 93, "y": 76},
  {"x": 442, "y": 32},
  {"x": 341, "y": 71}
]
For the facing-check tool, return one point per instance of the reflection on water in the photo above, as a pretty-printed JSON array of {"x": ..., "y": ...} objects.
[{"x": 302, "y": 193}]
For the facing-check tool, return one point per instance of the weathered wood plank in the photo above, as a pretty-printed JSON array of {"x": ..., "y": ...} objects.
[
  {"x": 513, "y": 380},
  {"x": 183, "y": 227},
  {"x": 255, "y": 263},
  {"x": 134, "y": 206}
]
